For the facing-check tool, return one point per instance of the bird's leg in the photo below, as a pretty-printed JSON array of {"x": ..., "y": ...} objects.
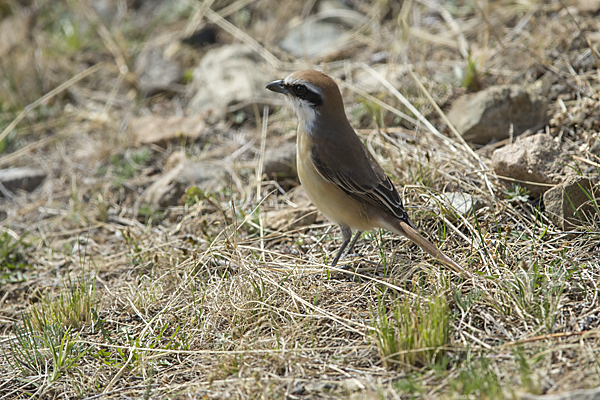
[
  {"x": 346, "y": 235},
  {"x": 357, "y": 236}
]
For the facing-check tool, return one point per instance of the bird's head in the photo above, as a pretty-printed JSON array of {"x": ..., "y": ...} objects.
[{"x": 314, "y": 96}]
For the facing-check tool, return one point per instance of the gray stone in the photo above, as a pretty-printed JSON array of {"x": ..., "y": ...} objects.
[
  {"x": 151, "y": 129},
  {"x": 290, "y": 219},
  {"x": 588, "y": 6},
  {"x": 285, "y": 219},
  {"x": 567, "y": 204},
  {"x": 312, "y": 38},
  {"x": 280, "y": 162},
  {"x": 230, "y": 76},
  {"x": 463, "y": 203},
  {"x": 487, "y": 115},
  {"x": 169, "y": 188},
  {"x": 156, "y": 73},
  {"x": 21, "y": 178},
  {"x": 532, "y": 160}
]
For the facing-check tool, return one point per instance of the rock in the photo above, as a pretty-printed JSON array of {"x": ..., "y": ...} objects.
[
  {"x": 534, "y": 159},
  {"x": 588, "y": 6},
  {"x": 290, "y": 219},
  {"x": 567, "y": 204},
  {"x": 168, "y": 189},
  {"x": 280, "y": 163},
  {"x": 487, "y": 115},
  {"x": 227, "y": 76},
  {"x": 151, "y": 129},
  {"x": 312, "y": 38},
  {"x": 463, "y": 203},
  {"x": 155, "y": 72},
  {"x": 590, "y": 394},
  {"x": 305, "y": 214},
  {"x": 21, "y": 178}
]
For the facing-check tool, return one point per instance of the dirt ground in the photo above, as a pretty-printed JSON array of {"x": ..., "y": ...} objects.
[{"x": 224, "y": 290}]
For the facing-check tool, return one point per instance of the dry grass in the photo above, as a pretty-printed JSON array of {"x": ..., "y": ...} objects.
[{"x": 103, "y": 298}]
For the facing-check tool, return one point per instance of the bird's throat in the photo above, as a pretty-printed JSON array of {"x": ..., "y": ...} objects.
[{"x": 307, "y": 115}]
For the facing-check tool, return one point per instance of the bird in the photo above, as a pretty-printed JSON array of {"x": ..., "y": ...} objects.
[{"x": 341, "y": 177}]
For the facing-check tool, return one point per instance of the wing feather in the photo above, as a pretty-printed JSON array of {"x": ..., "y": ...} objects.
[{"x": 371, "y": 185}]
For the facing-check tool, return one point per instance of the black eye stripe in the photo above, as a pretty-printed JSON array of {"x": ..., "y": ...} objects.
[
  {"x": 304, "y": 93},
  {"x": 313, "y": 98}
]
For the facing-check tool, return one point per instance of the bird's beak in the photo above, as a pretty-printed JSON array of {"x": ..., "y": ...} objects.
[{"x": 277, "y": 87}]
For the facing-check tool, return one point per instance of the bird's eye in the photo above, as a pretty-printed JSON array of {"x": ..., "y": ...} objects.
[{"x": 300, "y": 90}]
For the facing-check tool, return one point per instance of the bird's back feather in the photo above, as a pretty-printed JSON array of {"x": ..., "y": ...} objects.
[{"x": 349, "y": 154}]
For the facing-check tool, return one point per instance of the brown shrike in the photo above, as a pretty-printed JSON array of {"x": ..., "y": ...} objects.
[{"x": 338, "y": 173}]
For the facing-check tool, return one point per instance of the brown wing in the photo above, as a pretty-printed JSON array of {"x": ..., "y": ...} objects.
[{"x": 359, "y": 175}]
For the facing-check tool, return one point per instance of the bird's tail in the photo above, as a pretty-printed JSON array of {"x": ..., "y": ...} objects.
[{"x": 404, "y": 229}]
